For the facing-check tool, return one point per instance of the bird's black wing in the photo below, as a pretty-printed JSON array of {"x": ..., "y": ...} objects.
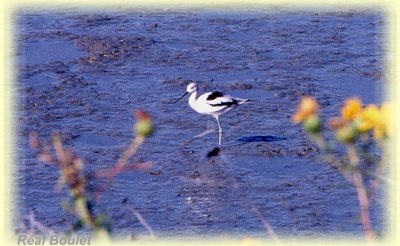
[{"x": 219, "y": 99}]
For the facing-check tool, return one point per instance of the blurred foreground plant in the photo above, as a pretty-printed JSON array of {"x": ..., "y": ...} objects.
[
  {"x": 73, "y": 177},
  {"x": 358, "y": 129}
]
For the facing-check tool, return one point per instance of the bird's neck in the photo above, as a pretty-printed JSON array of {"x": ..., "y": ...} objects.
[{"x": 192, "y": 100}]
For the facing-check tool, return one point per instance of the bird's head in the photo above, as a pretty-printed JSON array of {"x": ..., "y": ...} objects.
[{"x": 192, "y": 87}]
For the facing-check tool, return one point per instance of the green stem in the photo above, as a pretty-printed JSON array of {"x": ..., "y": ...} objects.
[
  {"x": 355, "y": 178},
  {"x": 362, "y": 194},
  {"x": 378, "y": 173},
  {"x": 353, "y": 155},
  {"x": 132, "y": 149}
]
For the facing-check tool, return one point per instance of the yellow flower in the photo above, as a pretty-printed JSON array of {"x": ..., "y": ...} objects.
[
  {"x": 379, "y": 133},
  {"x": 371, "y": 113},
  {"x": 383, "y": 126},
  {"x": 351, "y": 108},
  {"x": 308, "y": 107},
  {"x": 368, "y": 118}
]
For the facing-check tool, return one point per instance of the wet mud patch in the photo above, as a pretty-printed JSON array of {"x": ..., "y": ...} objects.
[
  {"x": 99, "y": 68},
  {"x": 102, "y": 50}
]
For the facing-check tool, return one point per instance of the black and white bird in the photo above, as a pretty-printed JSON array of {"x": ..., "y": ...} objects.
[{"x": 212, "y": 103}]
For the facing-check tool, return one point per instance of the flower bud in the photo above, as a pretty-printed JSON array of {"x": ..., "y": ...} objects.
[
  {"x": 144, "y": 125},
  {"x": 144, "y": 128},
  {"x": 347, "y": 134},
  {"x": 312, "y": 124}
]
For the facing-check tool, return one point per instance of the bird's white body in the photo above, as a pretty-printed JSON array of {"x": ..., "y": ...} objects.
[
  {"x": 209, "y": 107},
  {"x": 212, "y": 103}
]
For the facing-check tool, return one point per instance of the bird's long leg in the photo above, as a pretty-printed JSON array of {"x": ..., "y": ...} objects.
[{"x": 220, "y": 131}]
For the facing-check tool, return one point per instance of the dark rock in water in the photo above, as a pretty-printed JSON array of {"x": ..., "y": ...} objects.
[
  {"x": 155, "y": 173},
  {"x": 213, "y": 152}
]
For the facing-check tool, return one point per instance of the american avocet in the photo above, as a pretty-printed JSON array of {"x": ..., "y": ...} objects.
[{"x": 212, "y": 103}]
